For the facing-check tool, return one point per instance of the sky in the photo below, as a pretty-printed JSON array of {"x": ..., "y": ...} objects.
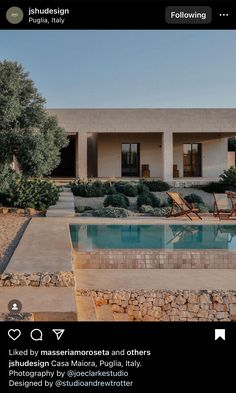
[{"x": 128, "y": 69}]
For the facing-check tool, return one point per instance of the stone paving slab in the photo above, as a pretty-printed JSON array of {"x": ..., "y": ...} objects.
[
  {"x": 156, "y": 279},
  {"x": 61, "y": 213},
  {"x": 138, "y": 220},
  {"x": 64, "y": 207},
  {"x": 45, "y": 247},
  {"x": 207, "y": 219},
  {"x": 39, "y": 300}
]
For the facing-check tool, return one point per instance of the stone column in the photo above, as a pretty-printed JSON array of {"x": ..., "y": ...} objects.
[
  {"x": 167, "y": 156},
  {"x": 81, "y": 158}
]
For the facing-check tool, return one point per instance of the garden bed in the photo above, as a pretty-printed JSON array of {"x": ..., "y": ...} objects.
[{"x": 97, "y": 202}]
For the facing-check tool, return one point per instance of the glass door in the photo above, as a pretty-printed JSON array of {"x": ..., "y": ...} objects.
[
  {"x": 192, "y": 160},
  {"x": 130, "y": 159}
]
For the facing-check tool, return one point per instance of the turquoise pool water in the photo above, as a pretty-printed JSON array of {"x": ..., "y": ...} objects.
[{"x": 164, "y": 236}]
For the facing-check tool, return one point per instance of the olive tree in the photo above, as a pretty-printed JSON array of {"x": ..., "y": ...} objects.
[{"x": 27, "y": 131}]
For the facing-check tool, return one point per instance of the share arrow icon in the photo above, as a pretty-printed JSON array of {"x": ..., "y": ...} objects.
[{"x": 58, "y": 333}]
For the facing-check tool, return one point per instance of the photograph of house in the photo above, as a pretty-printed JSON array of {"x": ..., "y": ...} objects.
[{"x": 117, "y": 175}]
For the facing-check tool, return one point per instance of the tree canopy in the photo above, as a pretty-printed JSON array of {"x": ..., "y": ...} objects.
[{"x": 27, "y": 131}]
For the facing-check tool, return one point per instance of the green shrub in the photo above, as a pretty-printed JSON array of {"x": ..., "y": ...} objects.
[
  {"x": 227, "y": 182},
  {"x": 112, "y": 191},
  {"x": 23, "y": 192},
  {"x": 116, "y": 200},
  {"x": 166, "y": 203},
  {"x": 82, "y": 209},
  {"x": 98, "y": 187},
  {"x": 88, "y": 189},
  {"x": 203, "y": 208},
  {"x": 141, "y": 188},
  {"x": 147, "y": 209},
  {"x": 161, "y": 211},
  {"x": 228, "y": 177},
  {"x": 147, "y": 198},
  {"x": 157, "y": 211},
  {"x": 114, "y": 212},
  {"x": 217, "y": 187},
  {"x": 194, "y": 198},
  {"x": 4, "y": 199},
  {"x": 107, "y": 186},
  {"x": 156, "y": 185},
  {"x": 130, "y": 190},
  {"x": 119, "y": 186}
]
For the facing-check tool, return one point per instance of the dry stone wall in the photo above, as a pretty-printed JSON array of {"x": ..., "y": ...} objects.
[
  {"x": 45, "y": 279},
  {"x": 17, "y": 317},
  {"x": 169, "y": 305}
]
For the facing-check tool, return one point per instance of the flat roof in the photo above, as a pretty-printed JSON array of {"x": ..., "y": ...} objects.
[{"x": 180, "y": 120}]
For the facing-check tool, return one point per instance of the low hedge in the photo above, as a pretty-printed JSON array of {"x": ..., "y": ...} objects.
[
  {"x": 128, "y": 189},
  {"x": 114, "y": 212},
  {"x": 217, "y": 187},
  {"x": 156, "y": 185},
  {"x": 88, "y": 189}
]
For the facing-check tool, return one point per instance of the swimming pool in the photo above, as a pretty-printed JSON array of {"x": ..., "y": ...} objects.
[{"x": 162, "y": 237}]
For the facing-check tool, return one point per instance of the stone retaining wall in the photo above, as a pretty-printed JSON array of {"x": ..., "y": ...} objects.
[
  {"x": 39, "y": 279},
  {"x": 169, "y": 305},
  {"x": 154, "y": 259},
  {"x": 17, "y": 317}
]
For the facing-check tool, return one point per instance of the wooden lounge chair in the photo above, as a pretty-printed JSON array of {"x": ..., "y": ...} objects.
[
  {"x": 223, "y": 206},
  {"x": 183, "y": 207}
]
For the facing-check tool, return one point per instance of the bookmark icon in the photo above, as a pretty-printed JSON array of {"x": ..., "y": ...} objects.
[{"x": 220, "y": 333}]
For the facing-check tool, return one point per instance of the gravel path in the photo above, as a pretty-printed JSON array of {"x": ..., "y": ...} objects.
[
  {"x": 97, "y": 203},
  {"x": 12, "y": 228}
]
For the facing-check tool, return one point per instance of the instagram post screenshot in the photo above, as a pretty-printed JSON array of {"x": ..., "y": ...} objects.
[{"x": 117, "y": 193}]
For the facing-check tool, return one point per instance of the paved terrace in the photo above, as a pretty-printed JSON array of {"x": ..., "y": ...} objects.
[
  {"x": 158, "y": 279},
  {"x": 44, "y": 247}
]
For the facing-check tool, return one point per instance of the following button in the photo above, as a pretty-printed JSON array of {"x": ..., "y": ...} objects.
[{"x": 188, "y": 15}]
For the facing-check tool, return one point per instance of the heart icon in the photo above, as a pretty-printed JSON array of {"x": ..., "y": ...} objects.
[{"x": 14, "y": 334}]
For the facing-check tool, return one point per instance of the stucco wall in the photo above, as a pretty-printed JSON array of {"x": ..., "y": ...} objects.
[
  {"x": 109, "y": 153},
  {"x": 214, "y": 153},
  {"x": 231, "y": 158},
  {"x": 214, "y": 157}
]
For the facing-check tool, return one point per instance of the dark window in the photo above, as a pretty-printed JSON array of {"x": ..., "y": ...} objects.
[
  {"x": 130, "y": 159},
  {"x": 192, "y": 159}
]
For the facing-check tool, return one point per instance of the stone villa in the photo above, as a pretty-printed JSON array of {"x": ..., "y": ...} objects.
[{"x": 170, "y": 144}]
